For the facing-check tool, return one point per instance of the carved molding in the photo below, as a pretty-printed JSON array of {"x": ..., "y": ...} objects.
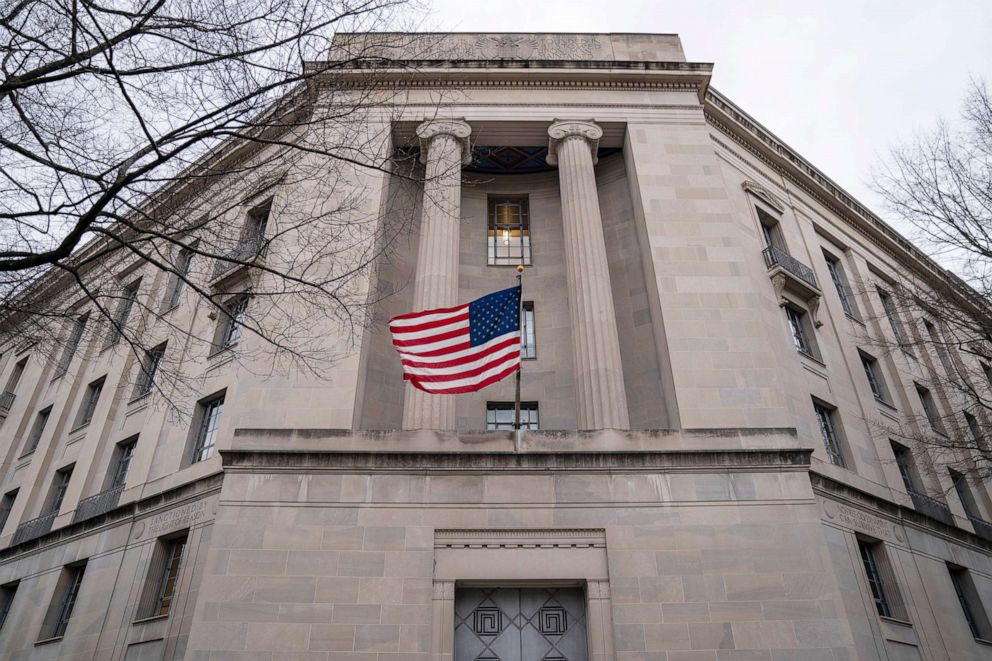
[
  {"x": 780, "y": 282},
  {"x": 508, "y": 538},
  {"x": 457, "y": 128},
  {"x": 764, "y": 195},
  {"x": 561, "y": 130}
]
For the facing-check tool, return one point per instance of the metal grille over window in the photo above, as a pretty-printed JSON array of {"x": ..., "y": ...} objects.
[
  {"x": 500, "y": 415},
  {"x": 206, "y": 433},
  {"x": 825, "y": 418},
  {"x": 509, "y": 232},
  {"x": 520, "y": 624}
]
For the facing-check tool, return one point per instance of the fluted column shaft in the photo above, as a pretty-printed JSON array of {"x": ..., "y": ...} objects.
[
  {"x": 444, "y": 149},
  {"x": 600, "y": 395}
]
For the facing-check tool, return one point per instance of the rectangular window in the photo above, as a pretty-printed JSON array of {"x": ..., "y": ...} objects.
[
  {"x": 258, "y": 221},
  {"x": 208, "y": 422},
  {"x": 123, "y": 454},
  {"x": 938, "y": 345},
  {"x": 124, "y": 305},
  {"x": 801, "y": 331},
  {"x": 874, "y": 377},
  {"x": 15, "y": 376},
  {"x": 63, "y": 601},
  {"x": 880, "y": 579},
  {"x": 183, "y": 267},
  {"x": 232, "y": 319},
  {"x": 71, "y": 345},
  {"x": 147, "y": 372},
  {"x": 59, "y": 486},
  {"x": 976, "y": 432},
  {"x": 771, "y": 231},
  {"x": 929, "y": 409},
  {"x": 37, "y": 430},
  {"x": 907, "y": 467},
  {"x": 501, "y": 415},
  {"x": 528, "y": 337},
  {"x": 6, "y": 505},
  {"x": 839, "y": 279},
  {"x": 965, "y": 495},
  {"x": 7, "y": 594},
  {"x": 168, "y": 575},
  {"x": 888, "y": 305},
  {"x": 971, "y": 603},
  {"x": 90, "y": 399},
  {"x": 509, "y": 231},
  {"x": 825, "y": 419}
]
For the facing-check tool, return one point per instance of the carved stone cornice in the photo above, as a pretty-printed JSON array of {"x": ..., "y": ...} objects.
[
  {"x": 561, "y": 130},
  {"x": 457, "y": 128}
]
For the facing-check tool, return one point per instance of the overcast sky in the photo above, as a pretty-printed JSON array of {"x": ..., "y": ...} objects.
[{"x": 840, "y": 81}]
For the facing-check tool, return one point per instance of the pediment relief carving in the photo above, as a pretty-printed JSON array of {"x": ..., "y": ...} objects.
[{"x": 764, "y": 195}]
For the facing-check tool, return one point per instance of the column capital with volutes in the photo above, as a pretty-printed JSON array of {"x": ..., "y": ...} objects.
[
  {"x": 563, "y": 129},
  {"x": 456, "y": 128}
]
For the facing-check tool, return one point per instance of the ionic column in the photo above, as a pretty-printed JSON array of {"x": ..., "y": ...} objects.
[
  {"x": 444, "y": 149},
  {"x": 602, "y": 402}
]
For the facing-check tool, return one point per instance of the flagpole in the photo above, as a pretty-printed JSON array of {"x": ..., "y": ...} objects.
[{"x": 520, "y": 325}]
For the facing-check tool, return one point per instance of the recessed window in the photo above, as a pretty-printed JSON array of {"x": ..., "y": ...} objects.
[
  {"x": 874, "y": 377},
  {"x": 6, "y": 505},
  {"x": 827, "y": 421},
  {"x": 965, "y": 494},
  {"x": 881, "y": 580},
  {"x": 802, "y": 331},
  {"x": 71, "y": 345},
  {"x": 940, "y": 348},
  {"x": 121, "y": 463},
  {"x": 183, "y": 267},
  {"x": 976, "y": 432},
  {"x": 528, "y": 336},
  {"x": 148, "y": 370},
  {"x": 15, "y": 376},
  {"x": 119, "y": 320},
  {"x": 231, "y": 322},
  {"x": 7, "y": 594},
  {"x": 501, "y": 415},
  {"x": 59, "y": 486},
  {"x": 771, "y": 231},
  {"x": 63, "y": 601},
  {"x": 907, "y": 467},
  {"x": 37, "y": 430},
  {"x": 163, "y": 576},
  {"x": 971, "y": 603},
  {"x": 207, "y": 422},
  {"x": 929, "y": 409},
  {"x": 509, "y": 231},
  {"x": 839, "y": 279},
  {"x": 90, "y": 399},
  {"x": 258, "y": 222},
  {"x": 888, "y": 306}
]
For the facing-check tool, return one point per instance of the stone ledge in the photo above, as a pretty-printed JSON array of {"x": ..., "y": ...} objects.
[{"x": 468, "y": 462}]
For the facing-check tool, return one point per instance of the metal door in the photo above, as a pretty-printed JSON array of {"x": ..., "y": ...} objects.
[{"x": 520, "y": 624}]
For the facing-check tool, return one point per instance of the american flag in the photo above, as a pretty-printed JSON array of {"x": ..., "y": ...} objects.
[{"x": 461, "y": 349}]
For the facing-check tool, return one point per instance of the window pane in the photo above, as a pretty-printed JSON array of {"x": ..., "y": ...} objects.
[
  {"x": 528, "y": 339},
  {"x": 207, "y": 431},
  {"x": 509, "y": 232},
  {"x": 874, "y": 579},
  {"x": 501, "y": 415}
]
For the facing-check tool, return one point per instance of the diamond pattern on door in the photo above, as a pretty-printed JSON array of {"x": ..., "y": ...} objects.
[{"x": 520, "y": 624}]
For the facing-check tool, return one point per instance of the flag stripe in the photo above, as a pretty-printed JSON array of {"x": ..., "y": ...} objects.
[
  {"x": 461, "y": 357},
  {"x": 472, "y": 386},
  {"x": 432, "y": 338},
  {"x": 414, "y": 318},
  {"x": 437, "y": 323},
  {"x": 470, "y": 368}
]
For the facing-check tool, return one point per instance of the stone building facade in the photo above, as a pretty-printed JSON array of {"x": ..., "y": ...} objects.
[{"x": 703, "y": 476}]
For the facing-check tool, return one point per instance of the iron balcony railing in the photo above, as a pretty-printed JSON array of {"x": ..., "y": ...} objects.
[
  {"x": 982, "y": 527},
  {"x": 33, "y": 528},
  {"x": 245, "y": 251},
  {"x": 98, "y": 504},
  {"x": 778, "y": 257},
  {"x": 6, "y": 401},
  {"x": 931, "y": 507}
]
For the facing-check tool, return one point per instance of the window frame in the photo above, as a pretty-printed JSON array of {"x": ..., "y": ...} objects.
[
  {"x": 15, "y": 376},
  {"x": 906, "y": 464},
  {"x": 147, "y": 371},
  {"x": 60, "y": 484},
  {"x": 524, "y": 242},
  {"x": 72, "y": 345},
  {"x": 528, "y": 331},
  {"x": 7, "y": 506},
  {"x": 206, "y": 427},
  {"x": 8, "y": 592},
  {"x": 183, "y": 267},
  {"x": 801, "y": 330},
  {"x": 833, "y": 444},
  {"x": 63, "y": 602},
  {"x": 91, "y": 399},
  {"x": 37, "y": 430},
  {"x": 532, "y": 409},
  {"x": 233, "y": 315},
  {"x": 970, "y": 601},
  {"x": 838, "y": 275},
  {"x": 123, "y": 456},
  {"x": 882, "y": 583},
  {"x": 164, "y": 574},
  {"x": 772, "y": 235},
  {"x": 929, "y": 406},
  {"x": 965, "y": 495},
  {"x": 876, "y": 381},
  {"x": 895, "y": 323},
  {"x": 123, "y": 313}
]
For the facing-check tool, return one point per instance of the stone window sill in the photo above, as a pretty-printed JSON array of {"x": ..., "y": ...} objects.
[
  {"x": 153, "y": 618},
  {"x": 854, "y": 319},
  {"x": 46, "y": 641},
  {"x": 895, "y": 620},
  {"x": 984, "y": 641}
]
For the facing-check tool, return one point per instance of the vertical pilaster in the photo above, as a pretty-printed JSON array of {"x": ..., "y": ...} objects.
[
  {"x": 600, "y": 395},
  {"x": 444, "y": 149}
]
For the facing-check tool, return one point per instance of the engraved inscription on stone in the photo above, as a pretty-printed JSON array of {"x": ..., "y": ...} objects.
[
  {"x": 181, "y": 517},
  {"x": 860, "y": 521}
]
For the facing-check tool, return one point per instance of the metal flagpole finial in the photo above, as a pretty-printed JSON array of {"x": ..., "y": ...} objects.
[{"x": 520, "y": 268}]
